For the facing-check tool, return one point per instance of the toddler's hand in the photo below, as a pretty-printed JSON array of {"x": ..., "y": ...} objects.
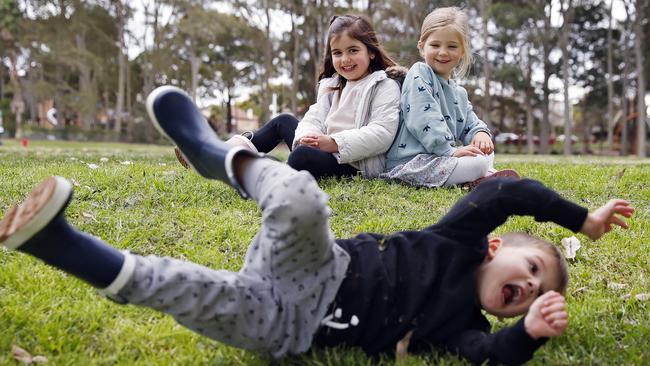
[
  {"x": 469, "y": 150},
  {"x": 483, "y": 141},
  {"x": 600, "y": 221},
  {"x": 547, "y": 316}
]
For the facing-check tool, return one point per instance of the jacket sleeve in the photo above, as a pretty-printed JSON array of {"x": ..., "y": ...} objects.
[
  {"x": 313, "y": 123},
  {"x": 473, "y": 124},
  {"x": 376, "y": 137},
  {"x": 422, "y": 114},
  {"x": 493, "y": 201},
  {"x": 508, "y": 346}
]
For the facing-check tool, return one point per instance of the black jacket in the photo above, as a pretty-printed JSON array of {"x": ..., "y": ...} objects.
[{"x": 426, "y": 280}]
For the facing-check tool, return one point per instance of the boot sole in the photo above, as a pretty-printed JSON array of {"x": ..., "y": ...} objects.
[
  {"x": 29, "y": 217},
  {"x": 181, "y": 158}
]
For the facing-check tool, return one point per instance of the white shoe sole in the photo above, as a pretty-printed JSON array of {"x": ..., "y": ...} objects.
[{"x": 26, "y": 219}]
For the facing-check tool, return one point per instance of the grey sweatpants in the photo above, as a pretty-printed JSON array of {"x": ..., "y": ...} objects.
[{"x": 290, "y": 275}]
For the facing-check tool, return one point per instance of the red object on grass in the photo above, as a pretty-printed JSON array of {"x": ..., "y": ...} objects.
[{"x": 24, "y": 142}]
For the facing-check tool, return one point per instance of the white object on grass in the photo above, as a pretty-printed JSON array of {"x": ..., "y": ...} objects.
[{"x": 571, "y": 246}]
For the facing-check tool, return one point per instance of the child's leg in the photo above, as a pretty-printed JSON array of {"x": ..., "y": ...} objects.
[
  {"x": 469, "y": 168},
  {"x": 294, "y": 250},
  {"x": 281, "y": 128},
  {"x": 240, "y": 309},
  {"x": 320, "y": 164}
]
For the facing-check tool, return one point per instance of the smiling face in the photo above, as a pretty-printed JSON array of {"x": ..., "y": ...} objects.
[
  {"x": 442, "y": 50},
  {"x": 512, "y": 277},
  {"x": 350, "y": 57}
]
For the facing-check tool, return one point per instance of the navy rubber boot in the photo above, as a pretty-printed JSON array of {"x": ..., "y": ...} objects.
[
  {"x": 175, "y": 115},
  {"x": 37, "y": 226}
]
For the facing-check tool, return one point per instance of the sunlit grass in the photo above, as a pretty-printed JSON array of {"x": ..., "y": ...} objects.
[{"x": 138, "y": 197}]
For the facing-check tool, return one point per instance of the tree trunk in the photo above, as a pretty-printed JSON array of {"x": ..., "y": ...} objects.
[
  {"x": 268, "y": 58},
  {"x": 624, "y": 81},
  {"x": 484, "y": 4},
  {"x": 640, "y": 72},
  {"x": 121, "y": 71},
  {"x": 545, "y": 126},
  {"x": 87, "y": 92},
  {"x": 17, "y": 104},
  {"x": 295, "y": 63},
  {"x": 228, "y": 111},
  {"x": 528, "y": 98},
  {"x": 564, "y": 45},
  {"x": 195, "y": 64},
  {"x": 610, "y": 83}
]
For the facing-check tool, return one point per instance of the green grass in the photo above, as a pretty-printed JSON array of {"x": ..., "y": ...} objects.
[{"x": 153, "y": 206}]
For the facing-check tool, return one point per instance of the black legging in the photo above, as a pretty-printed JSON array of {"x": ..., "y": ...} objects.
[{"x": 320, "y": 164}]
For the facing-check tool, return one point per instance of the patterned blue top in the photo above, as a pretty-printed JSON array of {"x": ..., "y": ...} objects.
[{"x": 434, "y": 115}]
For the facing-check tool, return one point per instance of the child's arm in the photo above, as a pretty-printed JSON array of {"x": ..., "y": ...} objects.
[
  {"x": 492, "y": 202},
  {"x": 547, "y": 317},
  {"x": 475, "y": 131}
]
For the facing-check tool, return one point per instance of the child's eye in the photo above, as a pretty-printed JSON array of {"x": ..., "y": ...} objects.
[
  {"x": 354, "y": 51},
  {"x": 336, "y": 53},
  {"x": 533, "y": 268}
]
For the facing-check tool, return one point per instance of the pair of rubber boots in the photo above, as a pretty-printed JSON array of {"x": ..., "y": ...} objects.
[{"x": 37, "y": 226}]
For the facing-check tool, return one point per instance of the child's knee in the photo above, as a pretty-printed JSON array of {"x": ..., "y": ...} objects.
[
  {"x": 476, "y": 166},
  {"x": 299, "y": 196}
]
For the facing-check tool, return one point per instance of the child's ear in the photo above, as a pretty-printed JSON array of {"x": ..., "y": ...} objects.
[
  {"x": 421, "y": 48},
  {"x": 493, "y": 246}
]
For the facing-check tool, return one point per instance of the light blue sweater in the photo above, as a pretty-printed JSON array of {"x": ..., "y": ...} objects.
[{"x": 435, "y": 114}]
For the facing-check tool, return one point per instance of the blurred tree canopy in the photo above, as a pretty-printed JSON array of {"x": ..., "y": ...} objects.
[{"x": 84, "y": 59}]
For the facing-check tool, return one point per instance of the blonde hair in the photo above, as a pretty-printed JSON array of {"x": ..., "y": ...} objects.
[
  {"x": 455, "y": 18},
  {"x": 520, "y": 239}
]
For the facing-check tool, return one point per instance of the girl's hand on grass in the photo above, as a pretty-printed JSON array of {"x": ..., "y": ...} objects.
[
  {"x": 323, "y": 143},
  {"x": 483, "y": 142},
  {"x": 600, "y": 221},
  {"x": 547, "y": 316},
  {"x": 469, "y": 150}
]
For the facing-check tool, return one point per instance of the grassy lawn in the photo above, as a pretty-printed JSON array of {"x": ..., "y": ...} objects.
[{"x": 137, "y": 197}]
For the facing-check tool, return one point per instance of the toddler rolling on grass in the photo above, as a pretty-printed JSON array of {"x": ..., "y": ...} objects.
[{"x": 299, "y": 287}]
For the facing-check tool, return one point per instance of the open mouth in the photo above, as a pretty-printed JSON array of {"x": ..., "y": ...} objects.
[
  {"x": 348, "y": 68},
  {"x": 511, "y": 293}
]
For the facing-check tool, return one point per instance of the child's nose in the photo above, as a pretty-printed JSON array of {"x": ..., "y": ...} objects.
[{"x": 533, "y": 285}]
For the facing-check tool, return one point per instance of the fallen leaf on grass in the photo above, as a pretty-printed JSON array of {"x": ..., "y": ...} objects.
[
  {"x": 93, "y": 166},
  {"x": 103, "y": 160},
  {"x": 169, "y": 172},
  {"x": 23, "y": 356},
  {"x": 571, "y": 246},
  {"x": 616, "y": 286},
  {"x": 126, "y": 162},
  {"x": 89, "y": 216},
  {"x": 639, "y": 297},
  {"x": 642, "y": 297},
  {"x": 579, "y": 290}
]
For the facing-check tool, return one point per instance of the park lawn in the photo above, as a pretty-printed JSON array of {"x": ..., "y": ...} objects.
[{"x": 138, "y": 197}]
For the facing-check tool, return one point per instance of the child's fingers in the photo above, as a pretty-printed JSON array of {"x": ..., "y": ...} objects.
[
  {"x": 616, "y": 221},
  {"x": 559, "y": 325},
  {"x": 555, "y": 308}
]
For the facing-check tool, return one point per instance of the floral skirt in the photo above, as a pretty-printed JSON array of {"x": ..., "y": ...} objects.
[{"x": 424, "y": 170}]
